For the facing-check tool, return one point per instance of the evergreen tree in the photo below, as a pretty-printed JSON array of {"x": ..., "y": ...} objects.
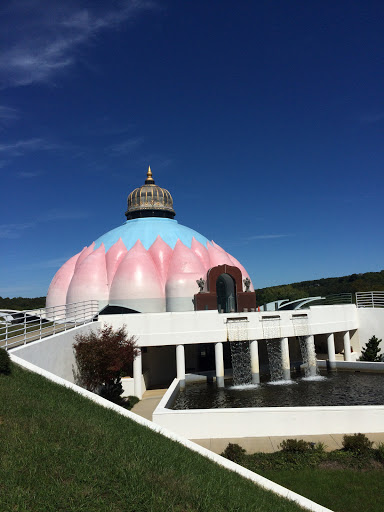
[{"x": 371, "y": 350}]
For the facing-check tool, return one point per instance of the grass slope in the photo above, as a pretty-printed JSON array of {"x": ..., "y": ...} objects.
[{"x": 61, "y": 452}]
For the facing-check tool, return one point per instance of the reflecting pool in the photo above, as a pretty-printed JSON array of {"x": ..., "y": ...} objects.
[{"x": 329, "y": 389}]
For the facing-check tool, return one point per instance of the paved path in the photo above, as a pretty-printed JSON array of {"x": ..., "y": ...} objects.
[
  {"x": 148, "y": 403},
  {"x": 151, "y": 399}
]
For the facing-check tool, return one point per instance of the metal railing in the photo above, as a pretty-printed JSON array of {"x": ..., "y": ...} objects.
[
  {"x": 370, "y": 299},
  {"x": 25, "y": 326}
]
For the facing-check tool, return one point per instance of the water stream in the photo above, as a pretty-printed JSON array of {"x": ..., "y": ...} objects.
[
  {"x": 237, "y": 330},
  {"x": 272, "y": 335},
  {"x": 307, "y": 345}
]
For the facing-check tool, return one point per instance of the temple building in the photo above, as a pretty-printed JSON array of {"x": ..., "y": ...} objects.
[{"x": 153, "y": 264}]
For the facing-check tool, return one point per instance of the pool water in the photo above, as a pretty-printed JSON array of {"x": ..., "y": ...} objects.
[{"x": 330, "y": 389}]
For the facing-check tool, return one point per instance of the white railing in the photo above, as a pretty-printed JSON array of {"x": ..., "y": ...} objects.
[
  {"x": 32, "y": 325},
  {"x": 370, "y": 299}
]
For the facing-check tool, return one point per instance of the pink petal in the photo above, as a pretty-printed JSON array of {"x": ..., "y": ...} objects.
[
  {"x": 84, "y": 254},
  {"x": 114, "y": 257},
  {"x": 136, "y": 277},
  {"x": 89, "y": 281},
  {"x": 201, "y": 252},
  {"x": 57, "y": 292},
  {"x": 161, "y": 254},
  {"x": 245, "y": 274},
  {"x": 218, "y": 257},
  {"x": 184, "y": 260}
]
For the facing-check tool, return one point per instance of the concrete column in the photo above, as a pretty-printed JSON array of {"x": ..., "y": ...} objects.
[
  {"x": 285, "y": 361},
  {"x": 347, "y": 346},
  {"x": 254, "y": 351},
  {"x": 331, "y": 351},
  {"x": 137, "y": 375},
  {"x": 219, "y": 361},
  {"x": 180, "y": 364}
]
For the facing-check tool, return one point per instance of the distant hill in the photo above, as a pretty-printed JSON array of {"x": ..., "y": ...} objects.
[
  {"x": 370, "y": 281},
  {"x": 22, "y": 303}
]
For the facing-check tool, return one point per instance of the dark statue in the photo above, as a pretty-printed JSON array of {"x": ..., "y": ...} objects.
[{"x": 201, "y": 284}]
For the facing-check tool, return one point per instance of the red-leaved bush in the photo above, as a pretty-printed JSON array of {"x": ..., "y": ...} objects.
[{"x": 101, "y": 356}]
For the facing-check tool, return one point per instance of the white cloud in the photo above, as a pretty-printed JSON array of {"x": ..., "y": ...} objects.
[{"x": 47, "y": 36}]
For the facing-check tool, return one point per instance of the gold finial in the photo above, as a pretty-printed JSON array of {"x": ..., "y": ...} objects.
[{"x": 149, "y": 180}]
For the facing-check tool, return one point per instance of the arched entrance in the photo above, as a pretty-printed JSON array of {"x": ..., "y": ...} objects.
[{"x": 226, "y": 293}]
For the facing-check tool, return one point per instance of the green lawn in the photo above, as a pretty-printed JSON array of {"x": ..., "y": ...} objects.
[
  {"x": 339, "y": 480},
  {"x": 341, "y": 490},
  {"x": 62, "y": 452}
]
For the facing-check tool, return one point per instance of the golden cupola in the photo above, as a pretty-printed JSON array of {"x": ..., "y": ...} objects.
[{"x": 150, "y": 200}]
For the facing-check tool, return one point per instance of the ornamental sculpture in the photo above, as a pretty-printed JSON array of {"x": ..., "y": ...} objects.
[
  {"x": 247, "y": 284},
  {"x": 200, "y": 282}
]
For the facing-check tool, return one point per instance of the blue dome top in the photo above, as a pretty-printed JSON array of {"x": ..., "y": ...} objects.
[{"x": 147, "y": 230}]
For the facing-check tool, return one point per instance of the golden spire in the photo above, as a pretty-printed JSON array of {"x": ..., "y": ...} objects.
[{"x": 149, "y": 180}]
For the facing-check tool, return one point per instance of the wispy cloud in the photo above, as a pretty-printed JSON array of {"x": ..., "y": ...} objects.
[
  {"x": 372, "y": 117},
  {"x": 50, "y": 263},
  {"x": 12, "y": 231},
  {"x": 53, "y": 215},
  {"x": 27, "y": 174},
  {"x": 21, "y": 146},
  {"x": 46, "y": 36},
  {"x": 8, "y": 113},
  {"x": 265, "y": 237},
  {"x": 127, "y": 146},
  {"x": 17, "y": 230}
]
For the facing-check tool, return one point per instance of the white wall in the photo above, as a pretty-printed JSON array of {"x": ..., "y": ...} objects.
[
  {"x": 371, "y": 322},
  {"x": 54, "y": 353},
  {"x": 155, "y": 329}
]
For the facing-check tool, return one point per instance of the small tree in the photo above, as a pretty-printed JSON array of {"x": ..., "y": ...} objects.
[
  {"x": 101, "y": 357},
  {"x": 371, "y": 350}
]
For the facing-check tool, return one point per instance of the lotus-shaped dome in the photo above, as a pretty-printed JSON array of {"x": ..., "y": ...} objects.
[{"x": 148, "y": 264}]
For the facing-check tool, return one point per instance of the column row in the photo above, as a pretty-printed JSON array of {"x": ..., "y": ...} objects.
[{"x": 254, "y": 354}]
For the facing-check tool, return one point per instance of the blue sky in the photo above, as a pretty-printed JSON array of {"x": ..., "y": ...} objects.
[{"x": 264, "y": 119}]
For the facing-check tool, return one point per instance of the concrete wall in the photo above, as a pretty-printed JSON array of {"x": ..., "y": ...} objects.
[
  {"x": 54, "y": 353},
  {"x": 267, "y": 421},
  {"x": 371, "y": 322},
  {"x": 156, "y": 329}
]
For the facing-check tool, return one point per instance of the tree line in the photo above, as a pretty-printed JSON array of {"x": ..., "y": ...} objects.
[
  {"x": 22, "y": 303},
  {"x": 369, "y": 281}
]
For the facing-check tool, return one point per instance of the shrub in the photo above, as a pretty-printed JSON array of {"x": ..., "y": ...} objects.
[
  {"x": 371, "y": 350},
  {"x": 380, "y": 452},
  {"x": 357, "y": 443},
  {"x": 101, "y": 357},
  {"x": 296, "y": 446},
  {"x": 234, "y": 452},
  {"x": 5, "y": 362}
]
